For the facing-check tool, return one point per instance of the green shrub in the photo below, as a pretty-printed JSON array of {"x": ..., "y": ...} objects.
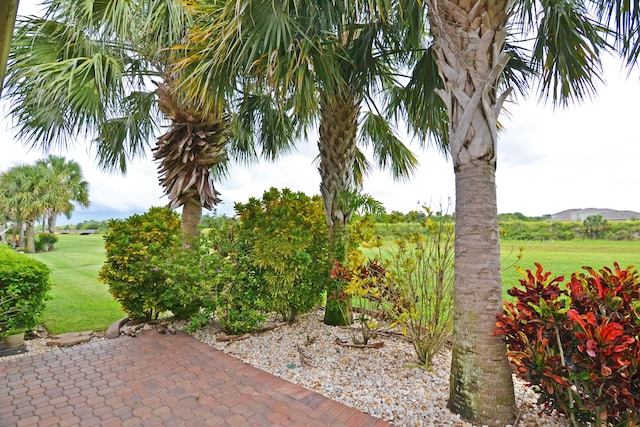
[
  {"x": 214, "y": 274},
  {"x": 138, "y": 252},
  {"x": 24, "y": 287},
  {"x": 286, "y": 238},
  {"x": 45, "y": 241},
  {"x": 578, "y": 344}
]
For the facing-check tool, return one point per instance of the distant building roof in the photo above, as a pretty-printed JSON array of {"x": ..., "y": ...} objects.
[{"x": 582, "y": 214}]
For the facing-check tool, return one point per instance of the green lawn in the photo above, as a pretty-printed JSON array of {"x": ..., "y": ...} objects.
[
  {"x": 565, "y": 257},
  {"x": 79, "y": 301}
]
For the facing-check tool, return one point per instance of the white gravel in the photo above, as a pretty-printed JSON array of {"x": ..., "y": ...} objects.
[{"x": 384, "y": 382}]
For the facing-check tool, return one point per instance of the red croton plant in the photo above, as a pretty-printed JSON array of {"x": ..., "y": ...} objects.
[{"x": 578, "y": 345}]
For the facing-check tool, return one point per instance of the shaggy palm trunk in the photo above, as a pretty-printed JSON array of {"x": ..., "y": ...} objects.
[
  {"x": 337, "y": 145},
  {"x": 469, "y": 44},
  {"x": 186, "y": 153}
]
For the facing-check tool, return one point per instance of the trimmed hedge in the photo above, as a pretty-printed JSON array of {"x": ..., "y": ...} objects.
[{"x": 24, "y": 288}]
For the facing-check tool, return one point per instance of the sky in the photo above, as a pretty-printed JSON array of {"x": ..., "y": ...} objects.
[{"x": 549, "y": 160}]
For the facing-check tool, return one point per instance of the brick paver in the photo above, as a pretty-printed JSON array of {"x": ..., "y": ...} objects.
[{"x": 157, "y": 380}]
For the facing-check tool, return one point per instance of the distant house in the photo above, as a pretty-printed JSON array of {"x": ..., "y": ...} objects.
[{"x": 582, "y": 214}]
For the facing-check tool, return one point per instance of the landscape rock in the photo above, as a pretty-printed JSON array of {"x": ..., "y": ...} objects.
[
  {"x": 114, "y": 329},
  {"x": 69, "y": 339}
]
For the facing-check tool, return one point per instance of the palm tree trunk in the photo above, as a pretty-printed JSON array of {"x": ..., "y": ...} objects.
[
  {"x": 469, "y": 45},
  {"x": 337, "y": 146},
  {"x": 481, "y": 383},
  {"x": 30, "y": 246},
  {"x": 51, "y": 223},
  {"x": 191, "y": 215}
]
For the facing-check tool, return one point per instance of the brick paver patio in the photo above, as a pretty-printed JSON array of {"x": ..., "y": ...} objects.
[{"x": 157, "y": 380}]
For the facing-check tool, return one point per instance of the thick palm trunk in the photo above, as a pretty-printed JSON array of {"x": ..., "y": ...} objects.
[
  {"x": 337, "y": 145},
  {"x": 469, "y": 42},
  {"x": 191, "y": 216}
]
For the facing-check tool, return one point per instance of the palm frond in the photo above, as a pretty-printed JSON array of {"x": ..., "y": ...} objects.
[
  {"x": 567, "y": 52},
  {"x": 389, "y": 151},
  {"x": 419, "y": 105}
]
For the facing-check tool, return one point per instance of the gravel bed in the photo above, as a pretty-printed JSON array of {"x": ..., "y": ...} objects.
[{"x": 384, "y": 382}]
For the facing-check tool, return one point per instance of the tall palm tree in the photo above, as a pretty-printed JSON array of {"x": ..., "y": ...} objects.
[
  {"x": 469, "y": 41},
  {"x": 68, "y": 174},
  {"x": 87, "y": 69},
  {"x": 328, "y": 60}
]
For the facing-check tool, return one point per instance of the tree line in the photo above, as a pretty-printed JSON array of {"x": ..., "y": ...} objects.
[{"x": 45, "y": 190}]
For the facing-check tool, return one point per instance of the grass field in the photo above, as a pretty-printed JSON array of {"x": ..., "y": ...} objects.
[
  {"x": 79, "y": 302},
  {"x": 562, "y": 258}
]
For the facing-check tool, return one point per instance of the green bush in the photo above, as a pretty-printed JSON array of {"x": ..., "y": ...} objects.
[
  {"x": 24, "y": 287},
  {"x": 286, "y": 238},
  {"x": 539, "y": 230},
  {"x": 45, "y": 241},
  {"x": 138, "y": 252},
  {"x": 215, "y": 275}
]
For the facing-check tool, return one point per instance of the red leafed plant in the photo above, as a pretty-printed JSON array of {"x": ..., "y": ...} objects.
[{"x": 578, "y": 345}]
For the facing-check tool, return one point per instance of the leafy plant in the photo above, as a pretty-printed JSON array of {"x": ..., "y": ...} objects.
[
  {"x": 24, "y": 288},
  {"x": 138, "y": 249},
  {"x": 366, "y": 283},
  {"x": 578, "y": 346},
  {"x": 286, "y": 240},
  {"x": 419, "y": 263},
  {"x": 45, "y": 241},
  {"x": 215, "y": 275}
]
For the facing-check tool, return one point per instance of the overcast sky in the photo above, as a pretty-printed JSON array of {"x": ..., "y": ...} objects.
[{"x": 548, "y": 160}]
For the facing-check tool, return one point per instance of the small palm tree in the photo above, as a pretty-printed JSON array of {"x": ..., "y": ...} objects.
[
  {"x": 325, "y": 62},
  {"x": 68, "y": 175}
]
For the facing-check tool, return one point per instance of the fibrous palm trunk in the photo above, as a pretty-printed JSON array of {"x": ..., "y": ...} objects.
[
  {"x": 186, "y": 153},
  {"x": 337, "y": 145},
  {"x": 469, "y": 44}
]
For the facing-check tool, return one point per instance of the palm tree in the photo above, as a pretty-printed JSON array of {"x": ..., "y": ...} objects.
[
  {"x": 94, "y": 63},
  {"x": 325, "y": 62},
  {"x": 471, "y": 52},
  {"x": 68, "y": 174},
  {"x": 27, "y": 193}
]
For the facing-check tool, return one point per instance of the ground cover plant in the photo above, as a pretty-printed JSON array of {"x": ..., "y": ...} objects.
[{"x": 79, "y": 302}]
